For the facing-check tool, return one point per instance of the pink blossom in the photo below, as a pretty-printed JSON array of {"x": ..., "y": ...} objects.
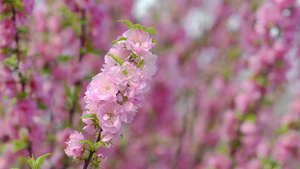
[
  {"x": 124, "y": 75},
  {"x": 138, "y": 41},
  {"x": 228, "y": 128},
  {"x": 106, "y": 137},
  {"x": 84, "y": 4},
  {"x": 121, "y": 52},
  {"x": 8, "y": 31},
  {"x": 109, "y": 117},
  {"x": 287, "y": 147},
  {"x": 89, "y": 128},
  {"x": 218, "y": 161},
  {"x": 242, "y": 102},
  {"x": 28, "y": 6},
  {"x": 283, "y": 4},
  {"x": 102, "y": 88},
  {"x": 149, "y": 66},
  {"x": 75, "y": 148}
]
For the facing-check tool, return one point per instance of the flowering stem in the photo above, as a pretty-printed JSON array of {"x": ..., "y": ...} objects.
[
  {"x": 88, "y": 160},
  {"x": 17, "y": 48},
  {"x": 82, "y": 36},
  {"x": 233, "y": 146},
  {"x": 22, "y": 81},
  {"x": 81, "y": 54}
]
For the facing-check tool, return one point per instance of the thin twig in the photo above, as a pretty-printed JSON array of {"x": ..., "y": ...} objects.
[{"x": 88, "y": 160}]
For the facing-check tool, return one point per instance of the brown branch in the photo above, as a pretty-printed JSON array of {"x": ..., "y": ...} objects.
[
  {"x": 18, "y": 54},
  {"x": 81, "y": 54},
  {"x": 88, "y": 160},
  {"x": 82, "y": 36}
]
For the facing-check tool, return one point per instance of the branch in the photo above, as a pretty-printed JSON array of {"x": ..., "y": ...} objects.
[{"x": 88, "y": 160}]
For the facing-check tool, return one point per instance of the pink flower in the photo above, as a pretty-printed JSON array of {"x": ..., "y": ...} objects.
[
  {"x": 83, "y": 4},
  {"x": 89, "y": 128},
  {"x": 218, "y": 161},
  {"x": 287, "y": 147},
  {"x": 138, "y": 41},
  {"x": 242, "y": 102},
  {"x": 75, "y": 148},
  {"x": 284, "y": 3},
  {"x": 263, "y": 149},
  {"x": 7, "y": 32},
  {"x": 129, "y": 113},
  {"x": 108, "y": 115},
  {"x": 106, "y": 137},
  {"x": 149, "y": 66},
  {"x": 102, "y": 88},
  {"x": 2, "y": 7},
  {"x": 127, "y": 74},
  {"x": 28, "y": 6},
  {"x": 228, "y": 128},
  {"x": 121, "y": 52}
]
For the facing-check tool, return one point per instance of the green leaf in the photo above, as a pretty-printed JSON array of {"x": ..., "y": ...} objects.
[
  {"x": 154, "y": 41},
  {"x": 11, "y": 61},
  {"x": 87, "y": 142},
  {"x": 250, "y": 117},
  {"x": 133, "y": 56},
  {"x": 88, "y": 116},
  {"x": 31, "y": 163},
  {"x": 120, "y": 39},
  {"x": 90, "y": 49},
  {"x": 41, "y": 105},
  {"x": 62, "y": 59},
  {"x": 18, "y": 145},
  {"x": 261, "y": 80},
  {"x": 40, "y": 160},
  {"x": 140, "y": 63},
  {"x": 116, "y": 58},
  {"x": 22, "y": 30},
  {"x": 138, "y": 26},
  {"x": 99, "y": 144},
  {"x": 127, "y": 23},
  {"x": 151, "y": 31},
  {"x": 18, "y": 5}
]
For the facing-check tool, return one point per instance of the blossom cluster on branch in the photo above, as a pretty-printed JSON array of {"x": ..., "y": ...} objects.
[{"x": 114, "y": 95}]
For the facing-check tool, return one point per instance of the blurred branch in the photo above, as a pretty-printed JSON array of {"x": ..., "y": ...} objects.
[
  {"x": 88, "y": 160},
  {"x": 81, "y": 54}
]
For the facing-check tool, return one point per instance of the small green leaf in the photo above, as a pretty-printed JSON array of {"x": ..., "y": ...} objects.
[
  {"x": 154, "y": 41},
  {"x": 138, "y": 26},
  {"x": 18, "y": 145},
  {"x": 11, "y": 61},
  {"x": 250, "y": 117},
  {"x": 120, "y": 39},
  {"x": 88, "y": 116},
  {"x": 41, "y": 105},
  {"x": 62, "y": 59},
  {"x": 140, "y": 63},
  {"x": 127, "y": 23},
  {"x": 18, "y": 5},
  {"x": 31, "y": 163},
  {"x": 87, "y": 142},
  {"x": 133, "y": 56},
  {"x": 116, "y": 58},
  {"x": 151, "y": 31},
  {"x": 40, "y": 160},
  {"x": 22, "y": 30},
  {"x": 261, "y": 80},
  {"x": 99, "y": 144},
  {"x": 90, "y": 49}
]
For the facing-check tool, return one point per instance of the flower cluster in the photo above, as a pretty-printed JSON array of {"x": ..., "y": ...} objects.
[{"x": 114, "y": 95}]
